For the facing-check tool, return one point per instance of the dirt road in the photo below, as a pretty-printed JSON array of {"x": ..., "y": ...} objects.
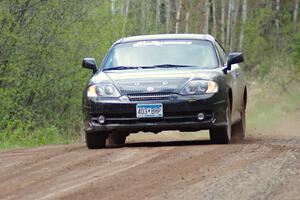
[{"x": 257, "y": 169}]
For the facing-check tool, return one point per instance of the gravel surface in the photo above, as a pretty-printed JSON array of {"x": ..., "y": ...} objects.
[{"x": 259, "y": 168}]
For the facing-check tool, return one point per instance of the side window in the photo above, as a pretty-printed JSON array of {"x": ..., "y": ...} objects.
[{"x": 221, "y": 53}]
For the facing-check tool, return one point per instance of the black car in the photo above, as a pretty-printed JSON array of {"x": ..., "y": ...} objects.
[{"x": 153, "y": 83}]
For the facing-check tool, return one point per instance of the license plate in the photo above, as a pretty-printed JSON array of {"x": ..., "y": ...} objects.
[{"x": 149, "y": 110}]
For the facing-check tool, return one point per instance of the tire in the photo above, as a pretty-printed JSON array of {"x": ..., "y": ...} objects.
[
  {"x": 116, "y": 139},
  {"x": 239, "y": 129},
  {"x": 222, "y": 135},
  {"x": 95, "y": 140}
]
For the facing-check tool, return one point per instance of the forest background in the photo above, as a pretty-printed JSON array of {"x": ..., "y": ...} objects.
[{"x": 42, "y": 44}]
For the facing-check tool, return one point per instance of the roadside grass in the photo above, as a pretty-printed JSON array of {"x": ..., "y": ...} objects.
[
  {"x": 270, "y": 106},
  {"x": 22, "y": 138}
]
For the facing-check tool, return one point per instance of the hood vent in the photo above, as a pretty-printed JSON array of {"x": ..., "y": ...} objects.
[{"x": 150, "y": 96}]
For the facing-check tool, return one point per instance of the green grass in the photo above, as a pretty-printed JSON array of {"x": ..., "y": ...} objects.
[
  {"x": 271, "y": 107},
  {"x": 23, "y": 138}
]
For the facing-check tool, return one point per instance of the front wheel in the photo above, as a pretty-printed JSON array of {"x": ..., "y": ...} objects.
[
  {"x": 222, "y": 135},
  {"x": 116, "y": 139},
  {"x": 95, "y": 140}
]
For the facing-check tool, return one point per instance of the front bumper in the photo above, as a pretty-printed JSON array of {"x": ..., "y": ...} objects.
[{"x": 180, "y": 114}]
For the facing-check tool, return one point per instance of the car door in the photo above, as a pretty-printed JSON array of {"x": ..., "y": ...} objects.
[
  {"x": 238, "y": 87},
  {"x": 233, "y": 80}
]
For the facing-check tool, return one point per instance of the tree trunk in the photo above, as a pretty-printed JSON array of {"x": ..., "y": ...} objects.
[
  {"x": 113, "y": 7},
  {"x": 121, "y": 7},
  {"x": 157, "y": 18},
  {"x": 244, "y": 19},
  {"x": 178, "y": 16},
  {"x": 207, "y": 13},
  {"x": 295, "y": 14},
  {"x": 214, "y": 29},
  {"x": 235, "y": 13},
  {"x": 126, "y": 16},
  {"x": 269, "y": 4},
  {"x": 223, "y": 21},
  {"x": 168, "y": 15},
  {"x": 187, "y": 19},
  {"x": 277, "y": 23},
  {"x": 228, "y": 33},
  {"x": 144, "y": 7}
]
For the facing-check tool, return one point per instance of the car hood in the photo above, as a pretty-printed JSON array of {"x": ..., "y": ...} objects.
[{"x": 154, "y": 80}]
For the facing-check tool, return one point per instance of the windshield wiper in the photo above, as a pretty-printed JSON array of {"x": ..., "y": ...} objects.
[
  {"x": 120, "y": 68},
  {"x": 147, "y": 67},
  {"x": 169, "y": 66}
]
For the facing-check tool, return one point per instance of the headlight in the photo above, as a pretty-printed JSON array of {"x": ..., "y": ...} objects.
[
  {"x": 103, "y": 90},
  {"x": 200, "y": 87}
]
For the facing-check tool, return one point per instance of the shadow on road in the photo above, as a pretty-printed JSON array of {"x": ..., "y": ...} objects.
[
  {"x": 180, "y": 143},
  {"x": 164, "y": 143}
]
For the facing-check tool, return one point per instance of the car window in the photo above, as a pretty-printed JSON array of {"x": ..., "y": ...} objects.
[
  {"x": 221, "y": 53},
  {"x": 196, "y": 53}
]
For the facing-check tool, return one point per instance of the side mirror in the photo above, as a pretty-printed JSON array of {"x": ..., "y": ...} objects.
[
  {"x": 233, "y": 58},
  {"x": 90, "y": 63}
]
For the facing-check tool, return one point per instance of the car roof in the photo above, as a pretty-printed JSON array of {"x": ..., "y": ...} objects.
[{"x": 167, "y": 37}]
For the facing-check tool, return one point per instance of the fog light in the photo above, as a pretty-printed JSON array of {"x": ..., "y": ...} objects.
[
  {"x": 101, "y": 119},
  {"x": 201, "y": 116}
]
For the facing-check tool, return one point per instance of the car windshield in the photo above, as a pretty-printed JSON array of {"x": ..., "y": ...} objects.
[{"x": 159, "y": 53}]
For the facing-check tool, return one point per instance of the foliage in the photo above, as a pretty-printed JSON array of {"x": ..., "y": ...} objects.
[{"x": 42, "y": 43}]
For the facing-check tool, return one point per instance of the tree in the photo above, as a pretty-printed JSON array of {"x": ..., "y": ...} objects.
[
  {"x": 168, "y": 16},
  {"x": 234, "y": 24},
  {"x": 223, "y": 21},
  {"x": 244, "y": 19},
  {"x": 277, "y": 18},
  {"x": 295, "y": 14},
  {"x": 206, "y": 17},
  {"x": 126, "y": 16},
  {"x": 178, "y": 16},
  {"x": 158, "y": 14},
  {"x": 214, "y": 17},
  {"x": 229, "y": 21},
  {"x": 187, "y": 16}
]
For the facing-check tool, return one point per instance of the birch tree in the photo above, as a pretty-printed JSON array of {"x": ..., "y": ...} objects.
[
  {"x": 168, "y": 15},
  {"x": 187, "y": 20},
  {"x": 295, "y": 14},
  {"x": 178, "y": 16},
  {"x": 206, "y": 16},
  {"x": 277, "y": 24},
  {"x": 228, "y": 31},
  {"x": 214, "y": 28},
  {"x": 223, "y": 21},
  {"x": 144, "y": 11},
  {"x": 235, "y": 13},
  {"x": 157, "y": 18},
  {"x": 113, "y": 7},
  {"x": 201, "y": 12},
  {"x": 126, "y": 16},
  {"x": 244, "y": 19}
]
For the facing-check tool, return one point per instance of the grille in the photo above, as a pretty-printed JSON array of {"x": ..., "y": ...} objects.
[{"x": 149, "y": 96}]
